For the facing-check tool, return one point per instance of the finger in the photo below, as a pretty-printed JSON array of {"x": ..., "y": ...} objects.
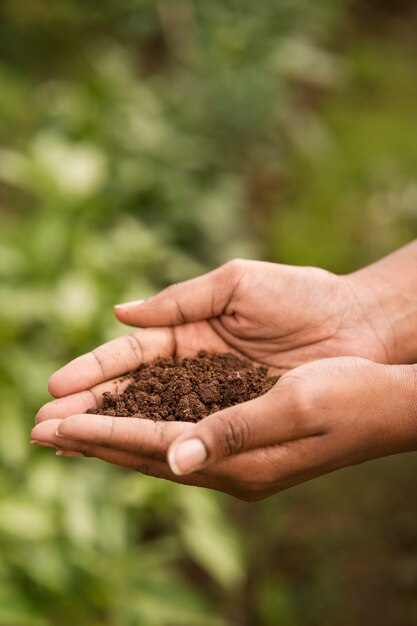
[
  {"x": 142, "y": 464},
  {"x": 80, "y": 402},
  {"x": 191, "y": 301},
  {"x": 111, "y": 359},
  {"x": 265, "y": 421},
  {"x": 44, "y": 434},
  {"x": 141, "y": 436},
  {"x": 249, "y": 475},
  {"x": 153, "y": 443}
]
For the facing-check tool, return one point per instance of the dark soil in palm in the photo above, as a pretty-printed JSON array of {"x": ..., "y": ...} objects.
[{"x": 188, "y": 389}]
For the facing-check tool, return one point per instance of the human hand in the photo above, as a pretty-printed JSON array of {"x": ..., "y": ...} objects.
[
  {"x": 275, "y": 315},
  {"x": 319, "y": 417}
]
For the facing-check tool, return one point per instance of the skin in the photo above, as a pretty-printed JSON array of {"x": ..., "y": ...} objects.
[{"x": 330, "y": 337}]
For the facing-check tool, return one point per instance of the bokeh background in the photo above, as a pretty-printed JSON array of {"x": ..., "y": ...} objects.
[{"x": 143, "y": 142}]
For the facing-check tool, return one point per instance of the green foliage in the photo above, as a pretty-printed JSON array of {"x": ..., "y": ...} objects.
[{"x": 143, "y": 143}]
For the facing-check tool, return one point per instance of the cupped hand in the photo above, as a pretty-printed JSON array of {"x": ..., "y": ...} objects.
[
  {"x": 276, "y": 315},
  {"x": 319, "y": 417}
]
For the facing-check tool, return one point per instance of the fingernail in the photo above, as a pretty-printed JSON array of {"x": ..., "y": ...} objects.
[
  {"x": 128, "y": 305},
  {"x": 185, "y": 457},
  {"x": 37, "y": 442},
  {"x": 68, "y": 453}
]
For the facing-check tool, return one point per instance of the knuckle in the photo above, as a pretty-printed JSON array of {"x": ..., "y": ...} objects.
[
  {"x": 305, "y": 413},
  {"x": 160, "y": 435},
  {"x": 135, "y": 347},
  {"x": 172, "y": 288},
  {"x": 180, "y": 313},
  {"x": 43, "y": 413},
  {"x": 304, "y": 402},
  {"x": 172, "y": 293},
  {"x": 235, "y": 266},
  {"x": 301, "y": 399},
  {"x": 100, "y": 357},
  {"x": 112, "y": 429},
  {"x": 234, "y": 435}
]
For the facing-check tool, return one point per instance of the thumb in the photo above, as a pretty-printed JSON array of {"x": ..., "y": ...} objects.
[
  {"x": 265, "y": 421},
  {"x": 190, "y": 301}
]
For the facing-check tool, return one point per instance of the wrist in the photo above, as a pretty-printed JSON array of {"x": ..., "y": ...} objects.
[
  {"x": 378, "y": 311},
  {"x": 387, "y": 294},
  {"x": 402, "y": 387}
]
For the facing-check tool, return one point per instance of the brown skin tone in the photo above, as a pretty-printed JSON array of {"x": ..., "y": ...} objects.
[{"x": 320, "y": 416}]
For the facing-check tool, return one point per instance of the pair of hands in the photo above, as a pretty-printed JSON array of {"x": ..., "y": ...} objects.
[{"x": 326, "y": 411}]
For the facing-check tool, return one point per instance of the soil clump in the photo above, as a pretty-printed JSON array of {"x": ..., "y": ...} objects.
[{"x": 187, "y": 389}]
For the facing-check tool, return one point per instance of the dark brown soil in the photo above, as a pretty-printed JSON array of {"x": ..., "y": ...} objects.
[{"x": 188, "y": 389}]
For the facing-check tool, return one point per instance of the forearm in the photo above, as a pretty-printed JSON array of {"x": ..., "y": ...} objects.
[{"x": 389, "y": 295}]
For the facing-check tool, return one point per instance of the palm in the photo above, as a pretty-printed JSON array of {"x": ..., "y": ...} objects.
[{"x": 308, "y": 314}]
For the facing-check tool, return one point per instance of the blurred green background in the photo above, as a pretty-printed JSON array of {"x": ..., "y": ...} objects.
[{"x": 143, "y": 142}]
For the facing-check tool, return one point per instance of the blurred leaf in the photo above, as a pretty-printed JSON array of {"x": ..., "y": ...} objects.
[
  {"x": 25, "y": 520},
  {"x": 75, "y": 169},
  {"x": 208, "y": 538},
  {"x": 15, "y": 610},
  {"x": 14, "y": 447},
  {"x": 46, "y": 567}
]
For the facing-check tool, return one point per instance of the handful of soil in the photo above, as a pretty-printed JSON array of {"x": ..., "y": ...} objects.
[{"x": 188, "y": 389}]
